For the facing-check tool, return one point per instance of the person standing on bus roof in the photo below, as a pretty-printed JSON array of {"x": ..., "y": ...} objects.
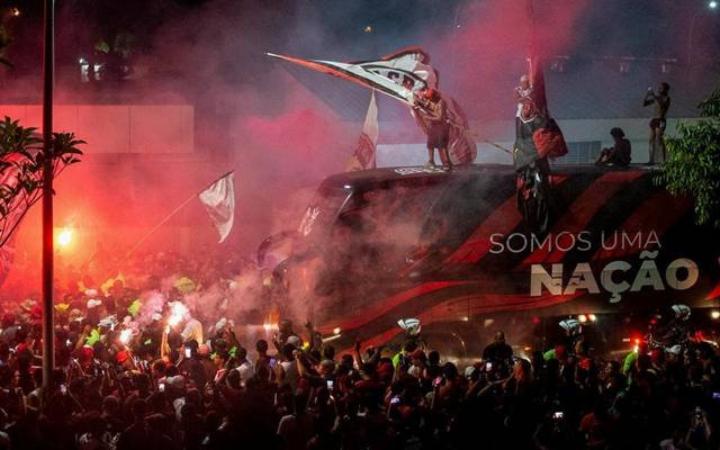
[
  {"x": 661, "y": 100},
  {"x": 523, "y": 97},
  {"x": 432, "y": 110}
]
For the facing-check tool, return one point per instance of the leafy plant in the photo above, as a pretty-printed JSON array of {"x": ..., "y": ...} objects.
[
  {"x": 693, "y": 164},
  {"x": 21, "y": 169}
]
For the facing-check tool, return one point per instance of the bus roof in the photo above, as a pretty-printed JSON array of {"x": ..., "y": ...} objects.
[{"x": 368, "y": 178}]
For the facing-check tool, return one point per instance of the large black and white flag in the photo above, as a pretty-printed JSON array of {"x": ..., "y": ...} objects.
[{"x": 400, "y": 75}]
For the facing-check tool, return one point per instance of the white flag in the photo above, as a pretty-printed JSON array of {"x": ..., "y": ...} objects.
[
  {"x": 363, "y": 157},
  {"x": 219, "y": 201}
]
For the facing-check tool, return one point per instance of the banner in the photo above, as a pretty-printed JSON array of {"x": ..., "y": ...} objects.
[
  {"x": 363, "y": 157},
  {"x": 219, "y": 201}
]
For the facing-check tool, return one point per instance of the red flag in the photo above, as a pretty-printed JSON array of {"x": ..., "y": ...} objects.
[{"x": 548, "y": 138}]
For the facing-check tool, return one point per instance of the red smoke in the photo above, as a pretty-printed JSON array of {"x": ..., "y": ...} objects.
[
  {"x": 277, "y": 135},
  {"x": 486, "y": 53},
  {"x": 307, "y": 140}
]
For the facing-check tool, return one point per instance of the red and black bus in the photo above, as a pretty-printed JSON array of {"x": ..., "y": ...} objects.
[{"x": 452, "y": 250}]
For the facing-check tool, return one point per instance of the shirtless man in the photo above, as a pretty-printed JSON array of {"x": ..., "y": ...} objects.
[{"x": 661, "y": 100}]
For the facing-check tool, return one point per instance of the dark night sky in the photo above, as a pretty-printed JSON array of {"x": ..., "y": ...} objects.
[
  {"x": 644, "y": 28},
  {"x": 202, "y": 41}
]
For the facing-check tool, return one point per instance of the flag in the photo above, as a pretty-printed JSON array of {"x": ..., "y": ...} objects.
[
  {"x": 538, "y": 135},
  {"x": 461, "y": 146},
  {"x": 364, "y": 156},
  {"x": 400, "y": 75},
  {"x": 397, "y": 75},
  {"x": 219, "y": 201}
]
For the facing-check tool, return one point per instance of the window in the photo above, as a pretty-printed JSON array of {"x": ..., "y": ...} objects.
[{"x": 585, "y": 152}]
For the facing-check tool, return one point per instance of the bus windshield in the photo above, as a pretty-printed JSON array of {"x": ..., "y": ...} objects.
[{"x": 379, "y": 229}]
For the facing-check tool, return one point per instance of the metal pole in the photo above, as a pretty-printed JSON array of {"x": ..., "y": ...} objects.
[{"x": 47, "y": 200}]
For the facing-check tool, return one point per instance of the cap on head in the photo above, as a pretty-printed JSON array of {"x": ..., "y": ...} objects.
[
  {"x": 569, "y": 325},
  {"x": 93, "y": 303},
  {"x": 675, "y": 349},
  {"x": 411, "y": 326},
  {"x": 681, "y": 311},
  {"x": 295, "y": 341}
]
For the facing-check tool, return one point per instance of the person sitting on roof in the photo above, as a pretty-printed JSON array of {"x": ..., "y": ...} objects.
[{"x": 619, "y": 154}]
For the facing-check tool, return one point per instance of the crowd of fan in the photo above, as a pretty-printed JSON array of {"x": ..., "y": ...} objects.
[{"x": 185, "y": 385}]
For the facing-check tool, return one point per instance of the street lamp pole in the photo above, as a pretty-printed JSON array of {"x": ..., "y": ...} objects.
[{"x": 48, "y": 334}]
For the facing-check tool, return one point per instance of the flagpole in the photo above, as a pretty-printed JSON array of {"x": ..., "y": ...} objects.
[
  {"x": 532, "y": 38},
  {"x": 497, "y": 146},
  {"x": 159, "y": 225},
  {"x": 170, "y": 216}
]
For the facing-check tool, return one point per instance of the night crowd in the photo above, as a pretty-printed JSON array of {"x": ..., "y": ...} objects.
[{"x": 140, "y": 365}]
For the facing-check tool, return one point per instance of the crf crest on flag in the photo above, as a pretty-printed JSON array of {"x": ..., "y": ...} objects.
[
  {"x": 364, "y": 156},
  {"x": 219, "y": 201}
]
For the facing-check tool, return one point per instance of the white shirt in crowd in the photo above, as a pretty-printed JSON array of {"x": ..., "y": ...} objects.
[{"x": 246, "y": 370}]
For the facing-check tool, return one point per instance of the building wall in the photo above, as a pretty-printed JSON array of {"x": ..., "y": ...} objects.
[
  {"x": 144, "y": 129},
  {"x": 503, "y": 133},
  {"x": 139, "y": 163}
]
